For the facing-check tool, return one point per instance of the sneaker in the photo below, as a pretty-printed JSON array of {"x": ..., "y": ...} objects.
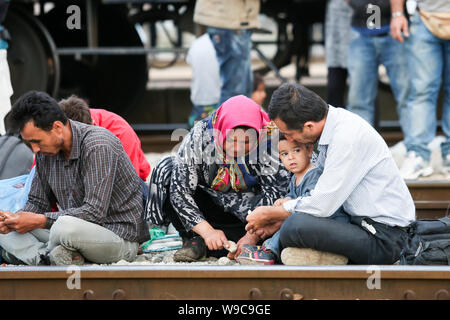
[
  {"x": 306, "y": 257},
  {"x": 10, "y": 259},
  {"x": 446, "y": 164},
  {"x": 414, "y": 167},
  {"x": 248, "y": 248},
  {"x": 62, "y": 256},
  {"x": 256, "y": 255},
  {"x": 193, "y": 250}
]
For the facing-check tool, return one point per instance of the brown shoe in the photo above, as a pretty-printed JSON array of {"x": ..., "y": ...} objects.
[{"x": 62, "y": 256}]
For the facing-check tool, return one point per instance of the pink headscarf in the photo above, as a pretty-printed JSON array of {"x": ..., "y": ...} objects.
[
  {"x": 236, "y": 111},
  {"x": 239, "y": 111}
]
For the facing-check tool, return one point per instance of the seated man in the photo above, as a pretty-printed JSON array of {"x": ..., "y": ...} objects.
[
  {"x": 85, "y": 170},
  {"x": 77, "y": 109},
  {"x": 296, "y": 157},
  {"x": 358, "y": 174}
]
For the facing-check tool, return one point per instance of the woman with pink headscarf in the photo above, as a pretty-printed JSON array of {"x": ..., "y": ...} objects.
[{"x": 226, "y": 166}]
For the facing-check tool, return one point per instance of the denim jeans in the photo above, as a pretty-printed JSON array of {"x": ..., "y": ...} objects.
[
  {"x": 200, "y": 112},
  {"x": 96, "y": 243},
  {"x": 233, "y": 54},
  {"x": 429, "y": 64},
  {"x": 365, "y": 55}
]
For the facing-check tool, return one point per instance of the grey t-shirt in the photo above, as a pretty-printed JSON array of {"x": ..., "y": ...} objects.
[
  {"x": 205, "y": 86},
  {"x": 434, "y": 5},
  {"x": 15, "y": 157}
]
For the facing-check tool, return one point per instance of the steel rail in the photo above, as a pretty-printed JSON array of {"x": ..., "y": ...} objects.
[{"x": 227, "y": 282}]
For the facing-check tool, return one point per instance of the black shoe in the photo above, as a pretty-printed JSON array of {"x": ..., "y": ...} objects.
[
  {"x": 193, "y": 249},
  {"x": 45, "y": 260}
]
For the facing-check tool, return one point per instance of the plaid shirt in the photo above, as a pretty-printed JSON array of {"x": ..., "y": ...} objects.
[{"x": 97, "y": 184}]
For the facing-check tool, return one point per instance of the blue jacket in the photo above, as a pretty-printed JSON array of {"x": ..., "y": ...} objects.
[{"x": 304, "y": 188}]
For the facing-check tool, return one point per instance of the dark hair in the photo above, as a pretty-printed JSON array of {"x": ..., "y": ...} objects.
[
  {"x": 8, "y": 125},
  {"x": 294, "y": 105},
  {"x": 281, "y": 136},
  {"x": 38, "y": 107},
  {"x": 257, "y": 79},
  {"x": 76, "y": 109}
]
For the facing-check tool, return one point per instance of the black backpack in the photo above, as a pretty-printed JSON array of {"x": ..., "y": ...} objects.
[{"x": 428, "y": 243}]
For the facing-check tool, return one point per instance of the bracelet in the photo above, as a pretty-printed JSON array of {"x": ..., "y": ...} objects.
[{"x": 397, "y": 14}]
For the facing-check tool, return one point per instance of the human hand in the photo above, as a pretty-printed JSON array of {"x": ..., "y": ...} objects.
[
  {"x": 5, "y": 214},
  {"x": 398, "y": 25},
  {"x": 269, "y": 229},
  {"x": 215, "y": 239},
  {"x": 23, "y": 222},
  {"x": 4, "y": 229},
  {"x": 279, "y": 202},
  {"x": 257, "y": 219},
  {"x": 248, "y": 238}
]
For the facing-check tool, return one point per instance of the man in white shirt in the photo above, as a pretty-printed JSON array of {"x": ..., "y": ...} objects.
[{"x": 358, "y": 173}]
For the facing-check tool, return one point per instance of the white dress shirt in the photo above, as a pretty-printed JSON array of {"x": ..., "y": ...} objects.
[{"x": 358, "y": 173}]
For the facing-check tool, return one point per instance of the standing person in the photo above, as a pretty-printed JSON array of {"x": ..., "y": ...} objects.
[
  {"x": 428, "y": 57},
  {"x": 84, "y": 169},
  {"x": 224, "y": 168},
  {"x": 358, "y": 173},
  {"x": 337, "y": 36},
  {"x": 230, "y": 24},
  {"x": 205, "y": 86},
  {"x": 370, "y": 46},
  {"x": 6, "y": 90}
]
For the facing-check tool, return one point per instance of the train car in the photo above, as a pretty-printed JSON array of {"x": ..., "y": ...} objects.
[{"x": 97, "y": 48}]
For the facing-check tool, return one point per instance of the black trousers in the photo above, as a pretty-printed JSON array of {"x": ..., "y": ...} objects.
[
  {"x": 233, "y": 228},
  {"x": 336, "y": 84},
  {"x": 351, "y": 240}
]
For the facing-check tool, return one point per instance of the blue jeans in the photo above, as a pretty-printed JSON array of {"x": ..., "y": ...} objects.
[
  {"x": 233, "y": 54},
  {"x": 429, "y": 64},
  {"x": 273, "y": 243},
  {"x": 200, "y": 112},
  {"x": 364, "y": 56}
]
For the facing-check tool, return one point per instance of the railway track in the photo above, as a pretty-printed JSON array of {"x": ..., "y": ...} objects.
[
  {"x": 173, "y": 282},
  {"x": 226, "y": 283}
]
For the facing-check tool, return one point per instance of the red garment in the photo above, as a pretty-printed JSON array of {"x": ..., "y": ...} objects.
[{"x": 130, "y": 141}]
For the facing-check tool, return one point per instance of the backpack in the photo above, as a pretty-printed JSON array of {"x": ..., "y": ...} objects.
[
  {"x": 14, "y": 192},
  {"x": 16, "y": 158},
  {"x": 428, "y": 243}
]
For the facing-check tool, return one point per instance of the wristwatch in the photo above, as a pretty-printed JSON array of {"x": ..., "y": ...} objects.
[{"x": 397, "y": 14}]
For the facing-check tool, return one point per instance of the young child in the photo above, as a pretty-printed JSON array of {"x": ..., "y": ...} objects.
[
  {"x": 296, "y": 157},
  {"x": 259, "y": 93}
]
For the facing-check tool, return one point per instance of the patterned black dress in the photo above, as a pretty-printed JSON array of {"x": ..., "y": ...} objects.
[{"x": 177, "y": 178}]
